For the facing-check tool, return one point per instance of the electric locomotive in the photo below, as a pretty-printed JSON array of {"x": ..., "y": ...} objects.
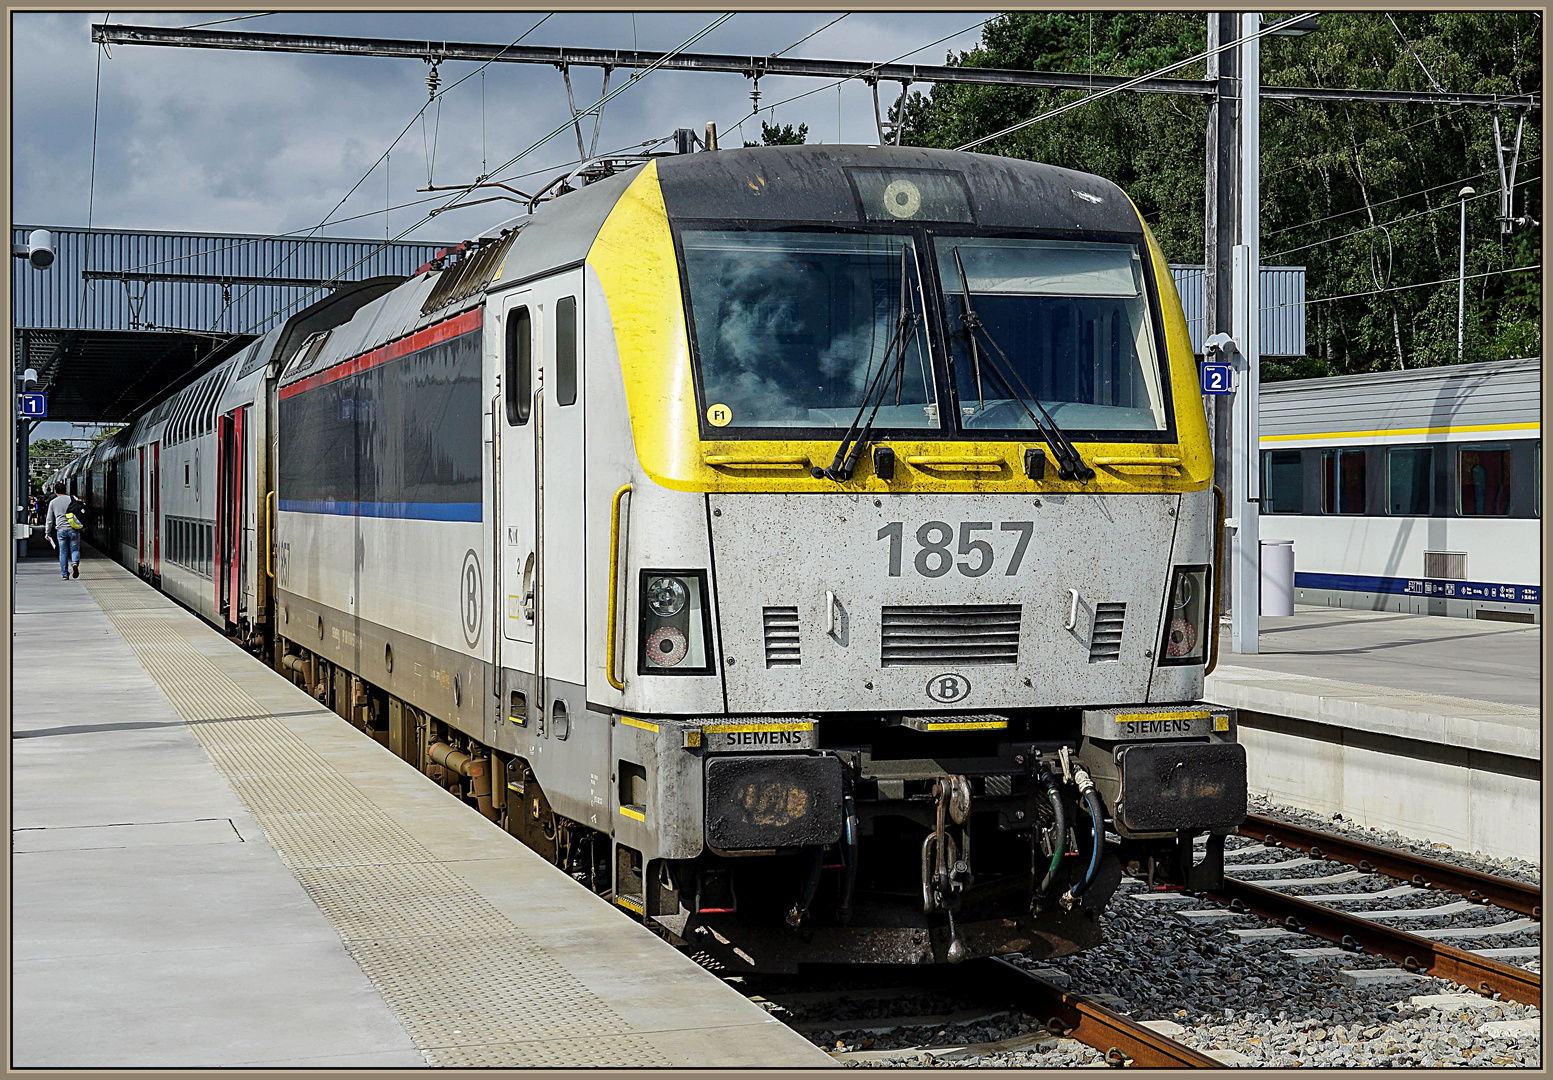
[{"x": 809, "y": 548}]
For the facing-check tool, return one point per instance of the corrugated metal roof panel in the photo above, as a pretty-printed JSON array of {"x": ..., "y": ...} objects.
[
  {"x": 58, "y": 298},
  {"x": 1459, "y": 395},
  {"x": 1283, "y": 307}
]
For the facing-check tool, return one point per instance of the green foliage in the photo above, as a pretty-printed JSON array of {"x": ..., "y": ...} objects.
[
  {"x": 46, "y": 455},
  {"x": 1364, "y": 196},
  {"x": 781, "y": 135}
]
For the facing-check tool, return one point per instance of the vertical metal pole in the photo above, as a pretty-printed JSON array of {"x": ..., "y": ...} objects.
[
  {"x": 1246, "y": 571},
  {"x": 1461, "y": 285},
  {"x": 1222, "y": 220}
]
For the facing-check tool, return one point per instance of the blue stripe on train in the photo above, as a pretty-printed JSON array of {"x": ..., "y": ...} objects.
[
  {"x": 1436, "y": 587},
  {"x": 420, "y": 511}
]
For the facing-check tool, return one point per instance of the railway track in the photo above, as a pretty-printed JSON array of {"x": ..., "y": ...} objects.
[
  {"x": 1474, "y": 885},
  {"x": 983, "y": 995},
  {"x": 1361, "y": 931},
  {"x": 1000, "y": 1012}
]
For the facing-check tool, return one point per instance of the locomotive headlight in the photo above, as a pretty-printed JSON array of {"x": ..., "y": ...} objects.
[
  {"x": 666, "y": 596},
  {"x": 1186, "y": 617},
  {"x": 674, "y": 635}
]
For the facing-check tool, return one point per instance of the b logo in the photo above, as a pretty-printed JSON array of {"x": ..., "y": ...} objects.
[
  {"x": 948, "y": 688},
  {"x": 469, "y": 594}
]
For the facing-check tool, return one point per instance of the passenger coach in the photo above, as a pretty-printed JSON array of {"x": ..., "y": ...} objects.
[
  {"x": 807, "y": 548},
  {"x": 1416, "y": 491}
]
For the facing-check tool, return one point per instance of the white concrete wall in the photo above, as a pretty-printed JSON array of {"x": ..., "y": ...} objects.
[{"x": 1447, "y": 802}]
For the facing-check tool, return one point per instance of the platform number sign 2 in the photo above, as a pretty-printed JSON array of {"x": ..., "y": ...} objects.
[
  {"x": 1218, "y": 379},
  {"x": 469, "y": 595}
]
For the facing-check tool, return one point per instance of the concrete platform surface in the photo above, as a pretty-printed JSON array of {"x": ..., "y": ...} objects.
[
  {"x": 1431, "y": 654},
  {"x": 211, "y": 869}
]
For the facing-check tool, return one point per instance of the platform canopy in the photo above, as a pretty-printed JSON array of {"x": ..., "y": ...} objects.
[{"x": 124, "y": 316}]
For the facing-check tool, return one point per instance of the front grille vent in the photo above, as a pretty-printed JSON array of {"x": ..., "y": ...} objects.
[
  {"x": 1106, "y": 641},
  {"x": 781, "y": 625},
  {"x": 949, "y": 634},
  {"x": 1451, "y": 565}
]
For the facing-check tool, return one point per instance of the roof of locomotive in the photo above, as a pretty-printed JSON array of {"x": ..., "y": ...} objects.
[
  {"x": 783, "y": 184},
  {"x": 822, "y": 184}
]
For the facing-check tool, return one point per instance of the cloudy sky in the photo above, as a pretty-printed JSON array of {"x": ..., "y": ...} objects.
[{"x": 192, "y": 139}]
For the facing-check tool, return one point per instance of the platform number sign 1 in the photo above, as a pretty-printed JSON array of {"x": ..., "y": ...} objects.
[
  {"x": 32, "y": 406},
  {"x": 1218, "y": 379}
]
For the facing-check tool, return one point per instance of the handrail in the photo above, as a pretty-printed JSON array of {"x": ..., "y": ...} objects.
[
  {"x": 614, "y": 584},
  {"x": 756, "y": 461},
  {"x": 1218, "y": 578},
  {"x": 1122, "y": 462},
  {"x": 269, "y": 535},
  {"x": 968, "y": 462}
]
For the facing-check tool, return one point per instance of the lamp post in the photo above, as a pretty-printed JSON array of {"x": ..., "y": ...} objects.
[{"x": 1461, "y": 278}]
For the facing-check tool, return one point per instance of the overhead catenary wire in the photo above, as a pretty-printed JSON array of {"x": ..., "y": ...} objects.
[
  {"x": 227, "y": 305},
  {"x": 1129, "y": 84},
  {"x": 1451, "y": 205},
  {"x": 1453, "y": 279},
  {"x": 806, "y": 37},
  {"x": 753, "y": 113},
  {"x": 635, "y": 78},
  {"x": 218, "y": 22},
  {"x": 1385, "y": 202}
]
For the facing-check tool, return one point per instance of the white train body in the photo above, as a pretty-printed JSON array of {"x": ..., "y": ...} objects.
[
  {"x": 505, "y": 517},
  {"x": 1415, "y": 491}
]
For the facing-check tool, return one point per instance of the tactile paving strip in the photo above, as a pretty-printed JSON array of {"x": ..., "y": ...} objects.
[{"x": 470, "y": 987}]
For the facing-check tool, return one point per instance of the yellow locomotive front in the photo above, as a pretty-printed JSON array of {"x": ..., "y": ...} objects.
[{"x": 919, "y": 591}]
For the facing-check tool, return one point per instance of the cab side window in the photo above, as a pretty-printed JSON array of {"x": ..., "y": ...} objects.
[
  {"x": 566, "y": 351},
  {"x": 520, "y": 365}
]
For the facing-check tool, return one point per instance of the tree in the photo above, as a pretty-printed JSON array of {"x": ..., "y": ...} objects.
[
  {"x": 44, "y": 456},
  {"x": 785, "y": 135},
  {"x": 1364, "y": 196}
]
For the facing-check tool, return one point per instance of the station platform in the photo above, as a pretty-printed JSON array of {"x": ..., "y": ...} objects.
[
  {"x": 1427, "y": 725},
  {"x": 211, "y": 869}
]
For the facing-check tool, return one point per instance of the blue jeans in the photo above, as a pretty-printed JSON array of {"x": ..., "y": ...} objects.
[{"x": 69, "y": 549}]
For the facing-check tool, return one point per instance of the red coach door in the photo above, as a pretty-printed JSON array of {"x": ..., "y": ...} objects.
[
  {"x": 155, "y": 497},
  {"x": 230, "y": 437}
]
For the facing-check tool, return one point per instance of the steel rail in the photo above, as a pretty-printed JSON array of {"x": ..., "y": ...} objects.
[
  {"x": 1475, "y": 885},
  {"x": 1487, "y": 976},
  {"x": 1122, "y": 1040},
  {"x": 757, "y": 67}
]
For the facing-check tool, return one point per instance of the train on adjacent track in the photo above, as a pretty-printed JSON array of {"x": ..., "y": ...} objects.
[
  {"x": 807, "y": 548},
  {"x": 1417, "y": 491}
]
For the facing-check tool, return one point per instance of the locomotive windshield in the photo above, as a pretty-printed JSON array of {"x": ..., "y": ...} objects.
[
  {"x": 1072, "y": 318},
  {"x": 791, "y": 327}
]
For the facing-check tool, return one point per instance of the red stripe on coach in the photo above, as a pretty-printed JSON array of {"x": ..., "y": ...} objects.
[{"x": 421, "y": 339}]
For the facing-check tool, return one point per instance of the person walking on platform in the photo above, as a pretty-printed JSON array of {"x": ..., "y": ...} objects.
[{"x": 63, "y": 529}]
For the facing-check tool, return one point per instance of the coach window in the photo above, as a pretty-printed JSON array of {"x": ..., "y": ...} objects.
[
  {"x": 1342, "y": 482},
  {"x": 1483, "y": 481},
  {"x": 520, "y": 365},
  {"x": 1283, "y": 482},
  {"x": 1410, "y": 481},
  {"x": 566, "y": 351}
]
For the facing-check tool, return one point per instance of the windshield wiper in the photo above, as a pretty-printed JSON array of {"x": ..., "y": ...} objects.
[
  {"x": 844, "y": 463},
  {"x": 1069, "y": 465}
]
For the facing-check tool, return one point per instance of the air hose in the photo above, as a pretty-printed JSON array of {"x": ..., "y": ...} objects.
[
  {"x": 1086, "y": 787},
  {"x": 1055, "y": 795}
]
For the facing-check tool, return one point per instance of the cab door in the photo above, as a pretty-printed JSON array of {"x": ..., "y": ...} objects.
[
  {"x": 518, "y": 322},
  {"x": 561, "y": 433}
]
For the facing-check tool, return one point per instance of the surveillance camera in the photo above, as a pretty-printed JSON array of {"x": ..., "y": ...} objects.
[
  {"x": 38, "y": 250},
  {"x": 1219, "y": 345},
  {"x": 30, "y": 377}
]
